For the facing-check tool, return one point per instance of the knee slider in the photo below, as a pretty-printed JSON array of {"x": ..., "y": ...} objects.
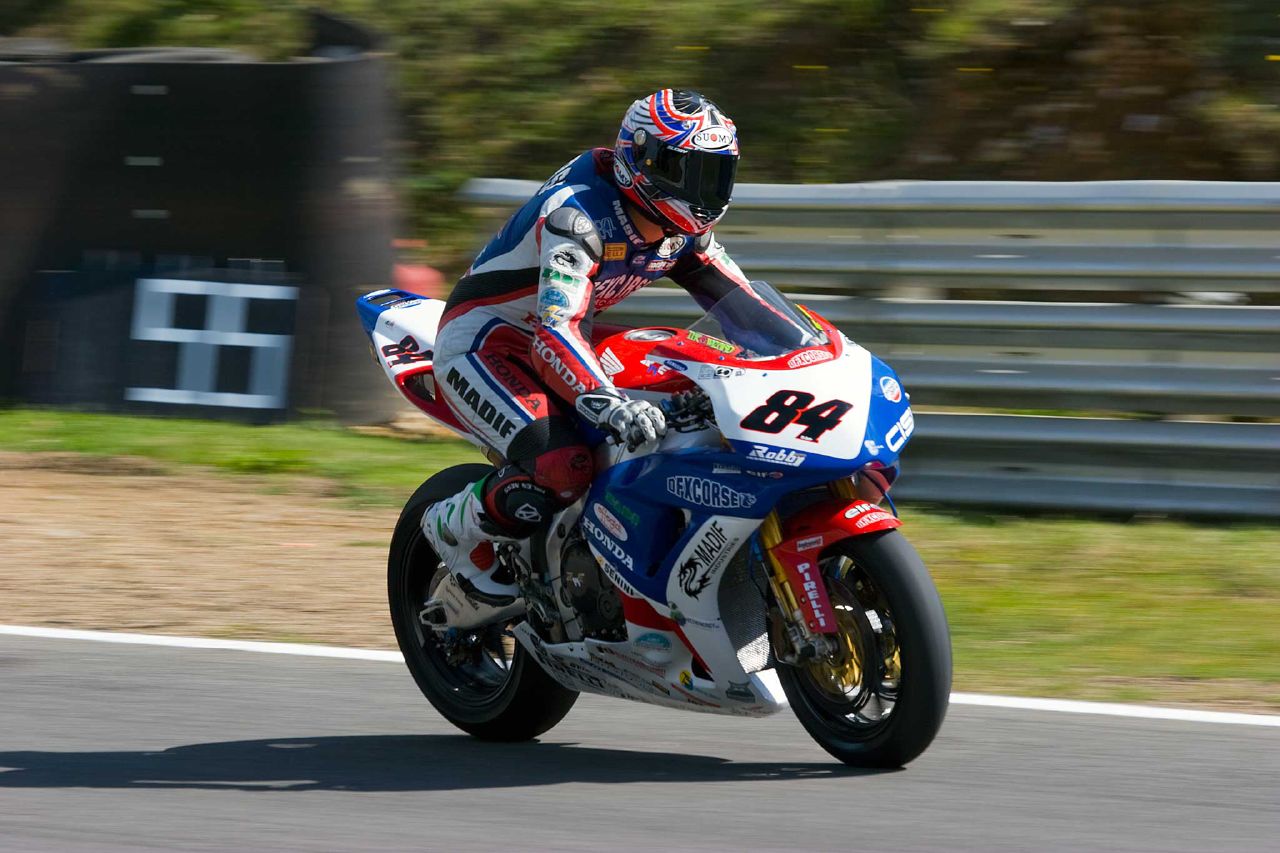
[
  {"x": 516, "y": 503},
  {"x": 566, "y": 472}
]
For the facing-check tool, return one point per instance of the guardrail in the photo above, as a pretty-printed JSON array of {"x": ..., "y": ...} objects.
[
  {"x": 1004, "y": 236},
  {"x": 847, "y": 249}
]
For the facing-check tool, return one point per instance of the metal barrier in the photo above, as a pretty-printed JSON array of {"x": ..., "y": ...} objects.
[
  {"x": 847, "y": 249},
  {"x": 1004, "y": 235}
]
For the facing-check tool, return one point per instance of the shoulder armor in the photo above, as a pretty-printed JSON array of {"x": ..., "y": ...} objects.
[
  {"x": 577, "y": 226},
  {"x": 703, "y": 242}
]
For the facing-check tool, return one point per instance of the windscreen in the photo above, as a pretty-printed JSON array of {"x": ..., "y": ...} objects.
[{"x": 760, "y": 320}]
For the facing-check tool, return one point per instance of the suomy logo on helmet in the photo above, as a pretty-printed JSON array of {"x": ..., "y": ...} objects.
[{"x": 713, "y": 138}]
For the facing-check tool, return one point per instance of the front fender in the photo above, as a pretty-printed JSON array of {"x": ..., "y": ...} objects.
[
  {"x": 830, "y": 520},
  {"x": 806, "y": 533}
]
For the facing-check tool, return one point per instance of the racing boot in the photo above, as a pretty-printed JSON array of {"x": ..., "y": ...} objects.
[{"x": 465, "y": 539}]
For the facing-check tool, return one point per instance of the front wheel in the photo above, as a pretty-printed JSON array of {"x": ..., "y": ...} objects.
[
  {"x": 880, "y": 699},
  {"x": 482, "y": 680}
]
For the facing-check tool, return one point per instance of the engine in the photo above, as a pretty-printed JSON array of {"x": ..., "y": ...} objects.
[{"x": 585, "y": 588}]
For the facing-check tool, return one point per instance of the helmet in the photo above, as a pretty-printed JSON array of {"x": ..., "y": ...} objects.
[{"x": 675, "y": 159}]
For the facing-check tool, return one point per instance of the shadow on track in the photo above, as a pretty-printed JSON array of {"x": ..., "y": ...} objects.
[{"x": 383, "y": 763}]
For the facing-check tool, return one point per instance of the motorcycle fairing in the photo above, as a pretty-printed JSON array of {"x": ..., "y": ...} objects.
[
  {"x": 620, "y": 670},
  {"x": 402, "y": 328}
]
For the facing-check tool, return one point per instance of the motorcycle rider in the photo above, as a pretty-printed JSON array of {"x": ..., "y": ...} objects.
[{"x": 514, "y": 359}]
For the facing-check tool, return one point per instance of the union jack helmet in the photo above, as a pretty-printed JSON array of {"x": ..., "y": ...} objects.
[{"x": 676, "y": 158}]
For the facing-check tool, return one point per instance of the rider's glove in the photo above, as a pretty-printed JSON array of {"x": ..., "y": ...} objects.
[{"x": 632, "y": 421}]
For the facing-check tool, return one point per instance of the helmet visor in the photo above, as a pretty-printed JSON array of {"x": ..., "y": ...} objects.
[{"x": 700, "y": 178}]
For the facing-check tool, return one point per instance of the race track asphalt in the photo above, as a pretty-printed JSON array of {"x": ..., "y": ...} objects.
[{"x": 137, "y": 748}]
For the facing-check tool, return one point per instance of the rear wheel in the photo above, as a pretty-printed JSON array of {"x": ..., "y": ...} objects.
[
  {"x": 880, "y": 699},
  {"x": 481, "y": 680}
]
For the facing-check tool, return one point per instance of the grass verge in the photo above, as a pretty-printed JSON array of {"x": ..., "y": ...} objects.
[
  {"x": 1144, "y": 611},
  {"x": 366, "y": 469}
]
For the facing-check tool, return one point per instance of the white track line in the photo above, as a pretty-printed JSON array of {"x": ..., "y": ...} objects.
[
  {"x": 1068, "y": 706},
  {"x": 203, "y": 643}
]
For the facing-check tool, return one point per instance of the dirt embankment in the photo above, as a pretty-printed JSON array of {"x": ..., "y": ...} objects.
[{"x": 118, "y": 544}]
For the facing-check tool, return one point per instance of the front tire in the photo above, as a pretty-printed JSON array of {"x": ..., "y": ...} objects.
[
  {"x": 881, "y": 700},
  {"x": 483, "y": 682}
]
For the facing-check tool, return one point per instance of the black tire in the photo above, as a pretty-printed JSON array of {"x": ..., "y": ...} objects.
[
  {"x": 913, "y": 685},
  {"x": 515, "y": 703}
]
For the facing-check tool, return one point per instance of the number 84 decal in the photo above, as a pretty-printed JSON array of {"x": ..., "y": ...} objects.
[{"x": 784, "y": 408}]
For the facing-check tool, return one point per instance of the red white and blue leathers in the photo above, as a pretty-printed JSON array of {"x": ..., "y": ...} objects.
[{"x": 514, "y": 348}]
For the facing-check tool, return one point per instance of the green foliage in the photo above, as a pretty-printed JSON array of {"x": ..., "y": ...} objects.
[{"x": 822, "y": 90}]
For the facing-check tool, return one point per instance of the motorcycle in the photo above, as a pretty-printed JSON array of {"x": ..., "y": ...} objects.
[{"x": 743, "y": 565}]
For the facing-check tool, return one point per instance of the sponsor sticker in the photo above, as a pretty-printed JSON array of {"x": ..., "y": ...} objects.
[
  {"x": 621, "y": 175},
  {"x": 660, "y": 265},
  {"x": 483, "y": 408},
  {"x": 714, "y": 343},
  {"x": 719, "y": 372},
  {"x": 652, "y": 368},
  {"x": 604, "y": 227},
  {"x": 567, "y": 260},
  {"x": 676, "y": 365},
  {"x": 618, "y": 288},
  {"x": 790, "y": 458},
  {"x": 528, "y": 512},
  {"x": 713, "y": 138},
  {"x": 610, "y": 362},
  {"x": 652, "y": 642},
  {"x": 621, "y": 509},
  {"x": 615, "y": 577},
  {"x": 624, "y": 180},
  {"x": 708, "y": 493},
  {"x": 551, "y": 317},
  {"x": 891, "y": 389},
  {"x": 871, "y": 518},
  {"x": 615, "y": 251},
  {"x": 860, "y": 507},
  {"x": 866, "y": 514},
  {"x": 695, "y": 572},
  {"x": 901, "y": 431},
  {"x": 671, "y": 246},
  {"x": 611, "y": 522},
  {"x": 872, "y": 448},
  {"x": 544, "y": 351},
  {"x": 809, "y": 543},
  {"x": 812, "y": 595},
  {"x": 809, "y": 356},
  {"x": 610, "y": 547}
]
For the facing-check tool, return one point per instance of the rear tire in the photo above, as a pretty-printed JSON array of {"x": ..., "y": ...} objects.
[
  {"x": 886, "y": 708},
  {"x": 497, "y": 692}
]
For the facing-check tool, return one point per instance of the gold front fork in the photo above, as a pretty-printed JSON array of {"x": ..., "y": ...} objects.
[
  {"x": 770, "y": 538},
  {"x": 797, "y": 627},
  {"x": 844, "y": 488}
]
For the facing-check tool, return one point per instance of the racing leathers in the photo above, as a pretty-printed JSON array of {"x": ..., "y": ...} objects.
[{"x": 514, "y": 352}]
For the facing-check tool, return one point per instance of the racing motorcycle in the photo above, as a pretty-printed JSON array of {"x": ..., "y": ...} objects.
[{"x": 743, "y": 565}]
